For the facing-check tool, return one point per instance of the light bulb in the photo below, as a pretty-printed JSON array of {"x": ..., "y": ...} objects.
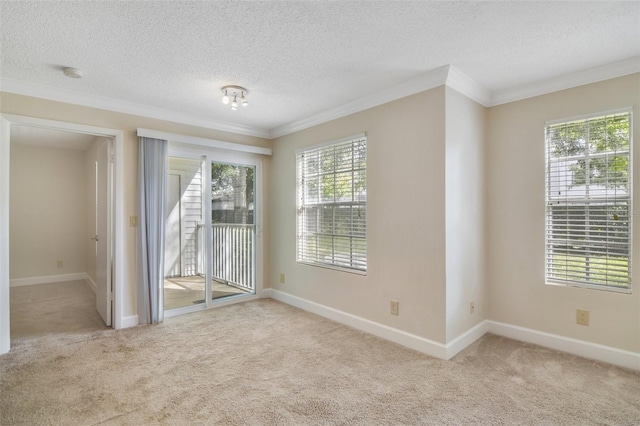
[
  {"x": 225, "y": 98},
  {"x": 244, "y": 101},
  {"x": 234, "y": 104}
]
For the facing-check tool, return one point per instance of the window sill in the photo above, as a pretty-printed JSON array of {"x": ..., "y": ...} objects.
[
  {"x": 588, "y": 286},
  {"x": 336, "y": 268}
]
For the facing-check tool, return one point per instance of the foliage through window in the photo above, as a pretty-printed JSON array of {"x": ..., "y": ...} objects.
[
  {"x": 588, "y": 201},
  {"x": 332, "y": 204}
]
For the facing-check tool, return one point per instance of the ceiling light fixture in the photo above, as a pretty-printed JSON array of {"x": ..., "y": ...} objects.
[
  {"x": 235, "y": 92},
  {"x": 72, "y": 72}
]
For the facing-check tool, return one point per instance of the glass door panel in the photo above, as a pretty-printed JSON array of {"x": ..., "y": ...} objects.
[
  {"x": 184, "y": 268},
  {"x": 233, "y": 229}
]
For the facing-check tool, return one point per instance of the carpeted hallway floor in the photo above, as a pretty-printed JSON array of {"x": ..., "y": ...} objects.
[
  {"x": 68, "y": 306},
  {"x": 264, "y": 362}
]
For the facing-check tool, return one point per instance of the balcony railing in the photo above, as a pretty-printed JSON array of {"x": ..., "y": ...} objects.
[{"x": 233, "y": 260}]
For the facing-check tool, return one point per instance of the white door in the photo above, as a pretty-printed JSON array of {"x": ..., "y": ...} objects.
[{"x": 103, "y": 232}]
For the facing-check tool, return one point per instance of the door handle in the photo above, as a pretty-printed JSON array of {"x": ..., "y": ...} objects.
[{"x": 96, "y": 239}]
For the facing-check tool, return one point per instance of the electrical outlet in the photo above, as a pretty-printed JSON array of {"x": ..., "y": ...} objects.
[
  {"x": 60, "y": 264},
  {"x": 472, "y": 307},
  {"x": 133, "y": 221},
  {"x": 281, "y": 277},
  {"x": 394, "y": 307},
  {"x": 582, "y": 317}
]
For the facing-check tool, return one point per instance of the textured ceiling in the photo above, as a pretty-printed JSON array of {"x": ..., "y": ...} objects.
[{"x": 299, "y": 59}]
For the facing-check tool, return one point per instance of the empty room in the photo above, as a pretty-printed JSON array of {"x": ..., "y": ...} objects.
[{"x": 319, "y": 212}]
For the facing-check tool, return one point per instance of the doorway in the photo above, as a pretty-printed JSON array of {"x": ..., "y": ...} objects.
[
  {"x": 210, "y": 231},
  {"x": 106, "y": 281},
  {"x": 60, "y": 230}
]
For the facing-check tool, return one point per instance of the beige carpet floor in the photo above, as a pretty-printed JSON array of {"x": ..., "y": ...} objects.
[
  {"x": 263, "y": 363},
  {"x": 53, "y": 308}
]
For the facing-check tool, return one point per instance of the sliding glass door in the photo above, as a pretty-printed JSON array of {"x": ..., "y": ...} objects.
[
  {"x": 210, "y": 231},
  {"x": 233, "y": 228}
]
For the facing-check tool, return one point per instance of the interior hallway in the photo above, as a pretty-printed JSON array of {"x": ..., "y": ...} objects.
[{"x": 53, "y": 308}]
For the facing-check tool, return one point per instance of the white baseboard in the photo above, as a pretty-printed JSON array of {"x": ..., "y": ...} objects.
[
  {"x": 467, "y": 338},
  {"x": 403, "y": 338},
  {"x": 566, "y": 344},
  {"x": 19, "y": 282},
  {"x": 129, "y": 321},
  {"x": 92, "y": 284}
]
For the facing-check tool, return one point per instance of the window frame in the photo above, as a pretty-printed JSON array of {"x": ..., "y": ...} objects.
[
  {"x": 300, "y": 204},
  {"x": 570, "y": 283}
]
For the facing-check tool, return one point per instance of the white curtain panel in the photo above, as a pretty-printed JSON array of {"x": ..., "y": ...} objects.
[{"x": 152, "y": 167}]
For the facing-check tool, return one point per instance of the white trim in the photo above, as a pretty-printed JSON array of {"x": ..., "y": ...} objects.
[
  {"x": 5, "y": 304},
  {"x": 567, "y": 81},
  {"x": 464, "y": 84},
  {"x": 467, "y": 338},
  {"x": 92, "y": 284},
  {"x": 209, "y": 143},
  {"x": 129, "y": 321},
  {"x": 55, "y": 94},
  {"x": 118, "y": 198},
  {"x": 118, "y": 223},
  {"x": 47, "y": 279},
  {"x": 566, "y": 344},
  {"x": 403, "y": 338},
  {"x": 426, "y": 81},
  {"x": 59, "y": 125}
]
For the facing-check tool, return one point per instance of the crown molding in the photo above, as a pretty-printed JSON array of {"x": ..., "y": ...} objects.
[
  {"x": 567, "y": 81},
  {"x": 445, "y": 75},
  {"x": 434, "y": 78},
  {"x": 469, "y": 87},
  {"x": 116, "y": 105}
]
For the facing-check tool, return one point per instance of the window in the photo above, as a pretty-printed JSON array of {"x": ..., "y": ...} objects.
[
  {"x": 588, "y": 202},
  {"x": 332, "y": 204}
]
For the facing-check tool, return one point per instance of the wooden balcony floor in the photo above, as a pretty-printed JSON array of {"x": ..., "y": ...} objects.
[{"x": 186, "y": 291}]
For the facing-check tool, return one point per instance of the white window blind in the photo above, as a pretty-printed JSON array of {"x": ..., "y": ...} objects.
[
  {"x": 588, "y": 202},
  {"x": 332, "y": 205}
]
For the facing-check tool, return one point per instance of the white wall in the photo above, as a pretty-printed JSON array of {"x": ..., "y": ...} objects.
[
  {"x": 465, "y": 213},
  {"x": 48, "y": 211},
  {"x": 405, "y": 217},
  {"x": 516, "y": 211}
]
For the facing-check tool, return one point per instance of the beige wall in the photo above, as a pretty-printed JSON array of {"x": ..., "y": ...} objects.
[
  {"x": 466, "y": 140},
  {"x": 405, "y": 217},
  {"x": 48, "y": 211},
  {"x": 455, "y": 212},
  {"x": 515, "y": 173},
  {"x": 40, "y": 108}
]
